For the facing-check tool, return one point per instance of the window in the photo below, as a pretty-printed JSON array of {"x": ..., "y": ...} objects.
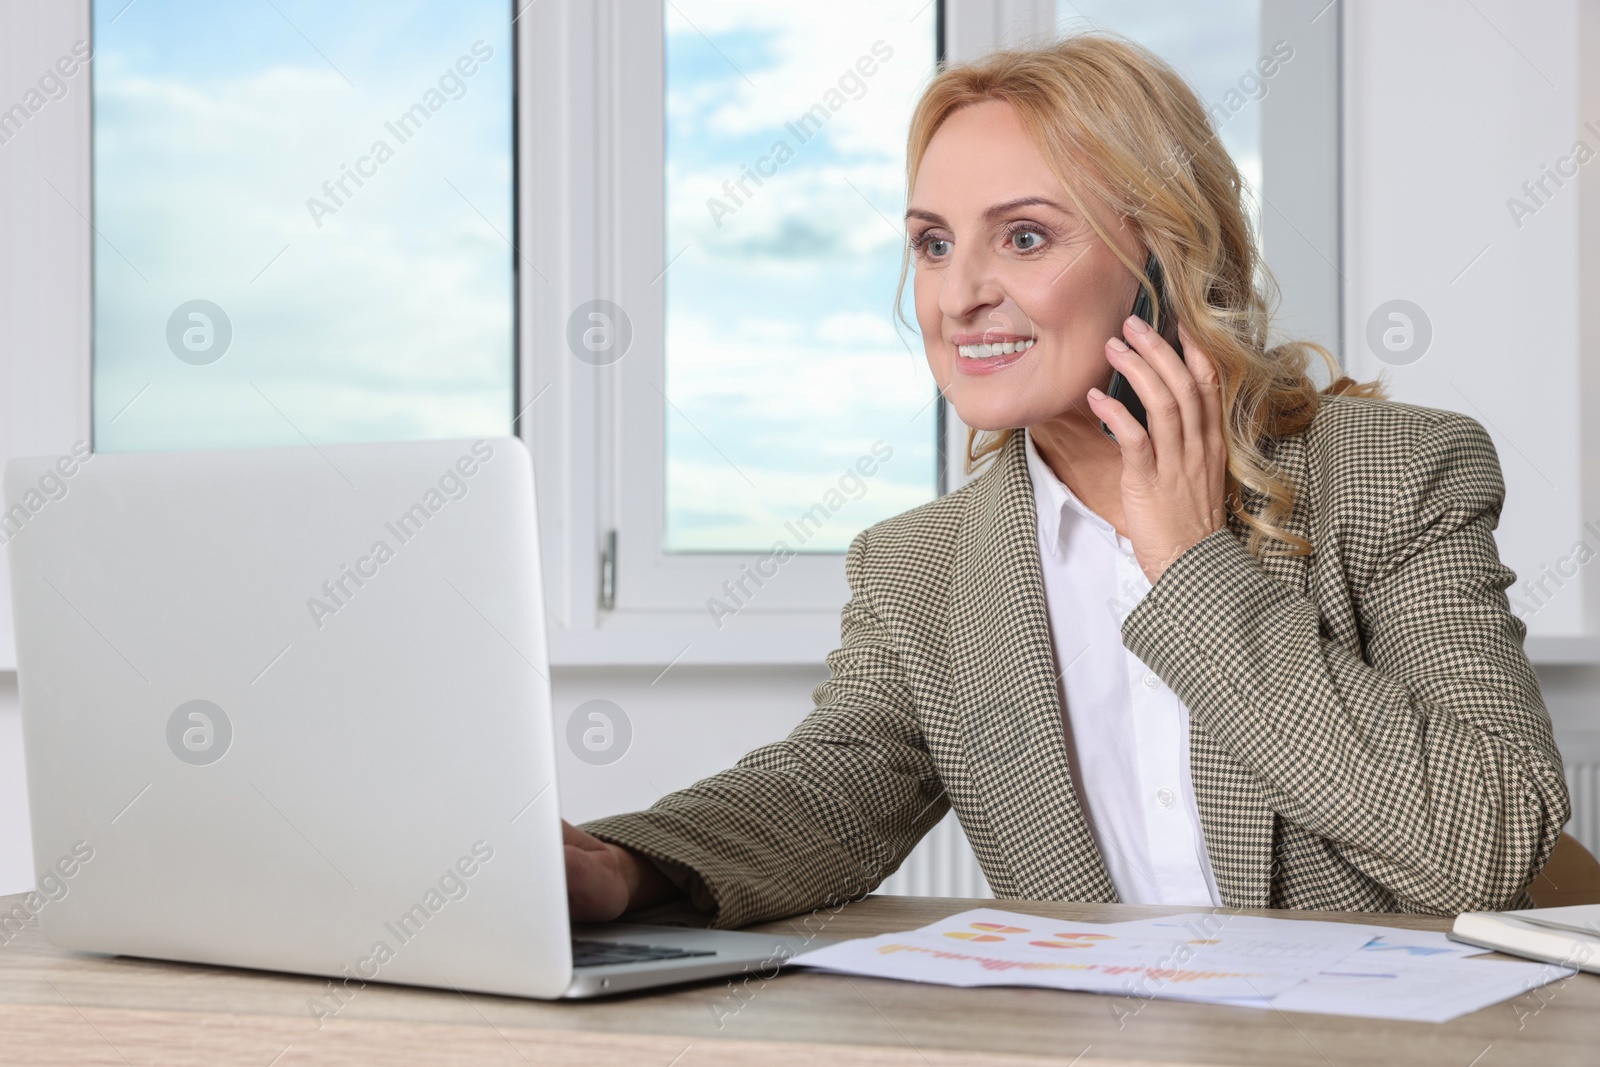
[
  {"x": 1215, "y": 46},
  {"x": 786, "y": 381},
  {"x": 303, "y": 217},
  {"x": 764, "y": 405}
]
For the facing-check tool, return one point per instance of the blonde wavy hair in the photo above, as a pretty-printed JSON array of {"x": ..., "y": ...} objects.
[{"x": 1132, "y": 133}]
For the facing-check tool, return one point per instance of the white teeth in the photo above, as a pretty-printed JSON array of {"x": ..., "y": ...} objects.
[{"x": 989, "y": 351}]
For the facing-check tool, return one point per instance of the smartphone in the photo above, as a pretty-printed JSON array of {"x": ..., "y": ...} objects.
[{"x": 1122, "y": 389}]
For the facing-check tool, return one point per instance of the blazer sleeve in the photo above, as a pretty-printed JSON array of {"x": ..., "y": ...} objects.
[
  {"x": 817, "y": 819},
  {"x": 1429, "y": 763}
]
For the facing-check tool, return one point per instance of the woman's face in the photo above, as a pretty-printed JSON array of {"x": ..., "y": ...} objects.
[{"x": 1002, "y": 258}]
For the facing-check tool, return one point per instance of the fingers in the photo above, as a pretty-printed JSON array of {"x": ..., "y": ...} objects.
[
  {"x": 596, "y": 891},
  {"x": 1166, "y": 387},
  {"x": 573, "y": 837},
  {"x": 1160, "y": 436},
  {"x": 1131, "y": 436},
  {"x": 1182, "y": 397}
]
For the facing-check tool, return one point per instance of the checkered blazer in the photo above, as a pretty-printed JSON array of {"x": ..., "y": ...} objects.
[{"x": 1366, "y": 732}]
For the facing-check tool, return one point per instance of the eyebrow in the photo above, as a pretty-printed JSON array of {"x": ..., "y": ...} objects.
[{"x": 994, "y": 212}]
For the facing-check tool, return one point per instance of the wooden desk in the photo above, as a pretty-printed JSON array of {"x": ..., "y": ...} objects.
[{"x": 59, "y": 1008}]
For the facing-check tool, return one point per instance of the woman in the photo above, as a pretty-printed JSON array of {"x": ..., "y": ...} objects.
[{"x": 1351, "y": 721}]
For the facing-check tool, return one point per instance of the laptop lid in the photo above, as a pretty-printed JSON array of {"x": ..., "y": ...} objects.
[{"x": 290, "y": 709}]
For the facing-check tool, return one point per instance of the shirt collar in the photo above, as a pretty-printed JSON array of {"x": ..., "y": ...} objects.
[{"x": 1056, "y": 503}]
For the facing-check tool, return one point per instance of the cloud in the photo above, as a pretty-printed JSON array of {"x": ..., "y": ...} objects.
[
  {"x": 391, "y": 319},
  {"x": 857, "y": 330},
  {"x": 806, "y": 211},
  {"x": 804, "y": 65}
]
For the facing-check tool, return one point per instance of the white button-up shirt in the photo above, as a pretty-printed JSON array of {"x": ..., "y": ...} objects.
[{"x": 1127, "y": 732}]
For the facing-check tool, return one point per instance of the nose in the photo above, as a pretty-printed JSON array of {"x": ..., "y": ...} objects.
[{"x": 971, "y": 285}]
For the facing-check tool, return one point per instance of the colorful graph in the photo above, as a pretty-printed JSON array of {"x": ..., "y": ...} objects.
[
  {"x": 1072, "y": 939},
  {"x": 985, "y": 932},
  {"x": 990, "y": 933}
]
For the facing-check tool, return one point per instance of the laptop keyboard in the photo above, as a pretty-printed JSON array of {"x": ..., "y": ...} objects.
[{"x": 587, "y": 953}]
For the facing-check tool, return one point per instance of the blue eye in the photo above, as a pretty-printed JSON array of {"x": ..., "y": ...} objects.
[
  {"x": 1026, "y": 240},
  {"x": 937, "y": 247}
]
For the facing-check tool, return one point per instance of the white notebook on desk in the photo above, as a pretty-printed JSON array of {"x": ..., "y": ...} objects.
[{"x": 1569, "y": 936}]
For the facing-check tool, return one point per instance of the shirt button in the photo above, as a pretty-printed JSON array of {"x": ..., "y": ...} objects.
[
  {"x": 1150, "y": 680},
  {"x": 1165, "y": 797}
]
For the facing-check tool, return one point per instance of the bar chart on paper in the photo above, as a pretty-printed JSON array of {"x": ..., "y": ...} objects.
[{"x": 1203, "y": 958}]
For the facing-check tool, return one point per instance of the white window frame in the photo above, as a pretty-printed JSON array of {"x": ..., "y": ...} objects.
[{"x": 599, "y": 127}]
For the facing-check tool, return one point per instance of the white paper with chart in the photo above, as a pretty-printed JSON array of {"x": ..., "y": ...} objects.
[
  {"x": 1201, "y": 956},
  {"x": 1243, "y": 960}
]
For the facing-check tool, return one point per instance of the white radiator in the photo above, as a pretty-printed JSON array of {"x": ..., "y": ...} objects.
[
  {"x": 943, "y": 866},
  {"x": 1583, "y": 782}
]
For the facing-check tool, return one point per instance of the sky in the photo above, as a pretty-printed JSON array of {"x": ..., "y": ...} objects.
[
  {"x": 389, "y": 317},
  {"x": 784, "y": 364}
]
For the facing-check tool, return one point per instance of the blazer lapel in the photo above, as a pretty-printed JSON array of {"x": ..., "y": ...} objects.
[
  {"x": 1010, "y": 721},
  {"x": 1234, "y": 816}
]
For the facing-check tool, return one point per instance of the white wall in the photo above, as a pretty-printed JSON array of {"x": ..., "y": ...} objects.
[
  {"x": 44, "y": 249},
  {"x": 693, "y": 722},
  {"x": 16, "y": 865},
  {"x": 1449, "y": 109}
]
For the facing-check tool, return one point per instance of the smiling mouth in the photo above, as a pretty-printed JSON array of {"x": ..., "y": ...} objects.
[{"x": 989, "y": 351}]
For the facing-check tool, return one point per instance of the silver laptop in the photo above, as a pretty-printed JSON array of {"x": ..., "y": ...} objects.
[{"x": 290, "y": 709}]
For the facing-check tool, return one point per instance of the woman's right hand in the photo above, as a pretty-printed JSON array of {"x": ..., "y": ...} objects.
[{"x": 606, "y": 880}]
